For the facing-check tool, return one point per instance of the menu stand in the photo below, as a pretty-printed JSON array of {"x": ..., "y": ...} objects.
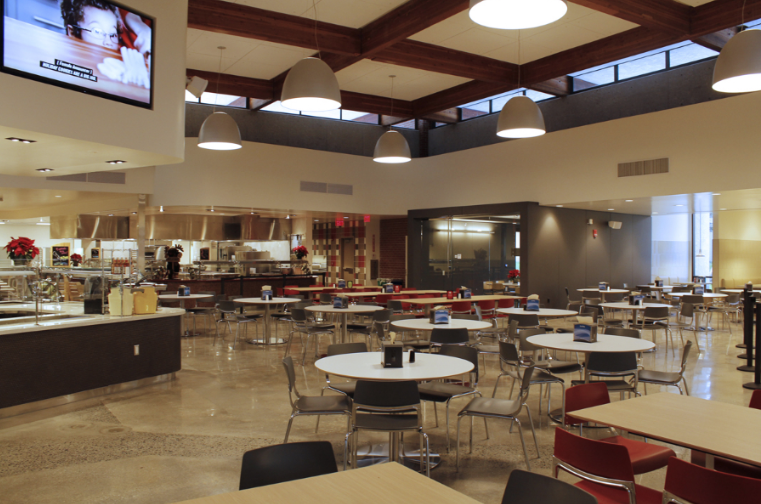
[
  {"x": 756, "y": 384},
  {"x": 749, "y": 308}
]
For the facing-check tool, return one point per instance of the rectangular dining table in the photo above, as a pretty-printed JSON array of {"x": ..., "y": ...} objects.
[
  {"x": 713, "y": 427},
  {"x": 426, "y": 303},
  {"x": 389, "y": 483}
]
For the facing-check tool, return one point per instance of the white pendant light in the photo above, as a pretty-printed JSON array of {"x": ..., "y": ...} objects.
[
  {"x": 520, "y": 117},
  {"x": 738, "y": 67},
  {"x": 516, "y": 14},
  {"x": 311, "y": 85},
  {"x": 392, "y": 147},
  {"x": 219, "y": 131}
]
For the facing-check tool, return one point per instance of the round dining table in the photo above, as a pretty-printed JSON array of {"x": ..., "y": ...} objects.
[
  {"x": 344, "y": 312},
  {"x": 182, "y": 299},
  {"x": 423, "y": 324},
  {"x": 603, "y": 292},
  {"x": 635, "y": 309},
  {"x": 604, "y": 343},
  {"x": 709, "y": 297},
  {"x": 268, "y": 339},
  {"x": 543, "y": 312}
]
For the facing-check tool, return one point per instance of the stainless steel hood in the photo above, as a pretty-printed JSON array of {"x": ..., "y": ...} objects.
[
  {"x": 90, "y": 227},
  {"x": 172, "y": 227}
]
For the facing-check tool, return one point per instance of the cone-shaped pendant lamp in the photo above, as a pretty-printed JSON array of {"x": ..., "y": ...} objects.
[
  {"x": 392, "y": 148},
  {"x": 219, "y": 131},
  {"x": 738, "y": 67},
  {"x": 520, "y": 118},
  {"x": 311, "y": 86},
  {"x": 516, "y": 14}
]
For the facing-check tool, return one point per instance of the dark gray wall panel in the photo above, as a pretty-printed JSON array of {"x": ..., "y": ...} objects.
[{"x": 598, "y": 249}]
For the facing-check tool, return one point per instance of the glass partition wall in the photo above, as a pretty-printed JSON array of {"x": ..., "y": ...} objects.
[{"x": 468, "y": 251}]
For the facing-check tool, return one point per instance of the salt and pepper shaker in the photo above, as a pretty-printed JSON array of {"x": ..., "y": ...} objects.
[{"x": 412, "y": 356}]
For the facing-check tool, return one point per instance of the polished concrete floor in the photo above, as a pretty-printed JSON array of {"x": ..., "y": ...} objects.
[{"x": 184, "y": 439}]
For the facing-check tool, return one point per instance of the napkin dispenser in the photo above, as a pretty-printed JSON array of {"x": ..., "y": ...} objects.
[
  {"x": 183, "y": 291},
  {"x": 698, "y": 290},
  {"x": 466, "y": 294},
  {"x": 440, "y": 317},
  {"x": 388, "y": 288},
  {"x": 636, "y": 300},
  {"x": 585, "y": 333},
  {"x": 658, "y": 282},
  {"x": 266, "y": 295},
  {"x": 392, "y": 355},
  {"x": 603, "y": 286},
  {"x": 340, "y": 302},
  {"x": 531, "y": 305},
  {"x": 342, "y": 284}
]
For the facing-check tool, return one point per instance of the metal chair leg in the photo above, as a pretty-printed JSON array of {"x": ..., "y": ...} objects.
[{"x": 523, "y": 443}]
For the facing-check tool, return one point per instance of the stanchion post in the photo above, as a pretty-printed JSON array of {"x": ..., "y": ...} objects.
[
  {"x": 756, "y": 384},
  {"x": 749, "y": 308}
]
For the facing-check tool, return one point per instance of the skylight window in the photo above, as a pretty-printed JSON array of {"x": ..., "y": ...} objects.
[{"x": 223, "y": 100}]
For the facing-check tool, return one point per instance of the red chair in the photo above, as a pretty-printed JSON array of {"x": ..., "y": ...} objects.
[
  {"x": 461, "y": 307},
  {"x": 687, "y": 482},
  {"x": 291, "y": 292},
  {"x": 604, "y": 468},
  {"x": 730, "y": 466},
  {"x": 382, "y": 299},
  {"x": 645, "y": 457},
  {"x": 487, "y": 309}
]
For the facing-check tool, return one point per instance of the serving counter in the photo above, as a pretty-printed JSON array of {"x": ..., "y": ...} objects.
[
  {"x": 70, "y": 356},
  {"x": 241, "y": 286}
]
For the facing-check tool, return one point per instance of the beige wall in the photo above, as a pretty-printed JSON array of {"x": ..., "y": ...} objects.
[
  {"x": 736, "y": 247},
  {"x": 47, "y": 109},
  {"x": 712, "y": 146}
]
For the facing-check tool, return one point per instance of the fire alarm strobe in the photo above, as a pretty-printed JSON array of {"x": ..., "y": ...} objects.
[{"x": 594, "y": 233}]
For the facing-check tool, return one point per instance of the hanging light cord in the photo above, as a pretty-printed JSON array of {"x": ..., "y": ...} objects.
[
  {"x": 519, "y": 58},
  {"x": 742, "y": 14},
  {"x": 392, "y": 98},
  {"x": 219, "y": 75},
  {"x": 316, "y": 42}
]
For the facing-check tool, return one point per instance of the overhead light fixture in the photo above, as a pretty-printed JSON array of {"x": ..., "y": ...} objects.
[
  {"x": 738, "y": 67},
  {"x": 2, "y": 222},
  {"x": 58, "y": 196},
  {"x": 516, "y": 14},
  {"x": 678, "y": 205},
  {"x": 716, "y": 194},
  {"x": 311, "y": 85},
  {"x": 287, "y": 216},
  {"x": 196, "y": 86},
  {"x": 655, "y": 213},
  {"x": 44, "y": 170},
  {"x": 629, "y": 200},
  {"x": 110, "y": 215},
  {"x": 116, "y": 161},
  {"x": 211, "y": 209},
  {"x": 520, "y": 117},
  {"x": 161, "y": 209},
  {"x": 611, "y": 209},
  {"x": 392, "y": 147},
  {"x": 43, "y": 223},
  {"x": 345, "y": 217},
  {"x": 722, "y": 208},
  {"x": 559, "y": 206},
  {"x": 134, "y": 213},
  {"x": 219, "y": 131},
  {"x": 21, "y": 140},
  {"x": 700, "y": 242},
  {"x": 317, "y": 220}
]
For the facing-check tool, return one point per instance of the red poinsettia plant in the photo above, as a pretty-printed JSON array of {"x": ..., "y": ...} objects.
[
  {"x": 300, "y": 252},
  {"x": 75, "y": 259},
  {"x": 513, "y": 274},
  {"x": 21, "y": 248}
]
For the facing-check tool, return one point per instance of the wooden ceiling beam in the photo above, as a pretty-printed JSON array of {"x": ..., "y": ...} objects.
[
  {"x": 386, "y": 120},
  {"x": 459, "y": 95},
  {"x": 720, "y": 14},
  {"x": 243, "y": 21},
  {"x": 559, "y": 86},
  {"x": 669, "y": 15},
  {"x": 406, "y": 20},
  {"x": 432, "y": 58},
  {"x": 375, "y": 104},
  {"x": 449, "y": 116},
  {"x": 235, "y": 85},
  {"x": 716, "y": 40}
]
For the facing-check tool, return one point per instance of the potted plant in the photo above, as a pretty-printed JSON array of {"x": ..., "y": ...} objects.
[
  {"x": 514, "y": 276},
  {"x": 173, "y": 256},
  {"x": 76, "y": 259},
  {"x": 299, "y": 253},
  {"x": 21, "y": 250}
]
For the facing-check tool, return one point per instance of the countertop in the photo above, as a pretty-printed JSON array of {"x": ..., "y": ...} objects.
[{"x": 71, "y": 309}]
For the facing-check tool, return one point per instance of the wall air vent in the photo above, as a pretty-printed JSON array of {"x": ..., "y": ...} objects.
[
  {"x": 637, "y": 168},
  {"x": 104, "y": 177},
  {"x": 322, "y": 187}
]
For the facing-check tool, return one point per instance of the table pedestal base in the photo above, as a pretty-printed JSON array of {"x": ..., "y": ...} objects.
[{"x": 378, "y": 453}]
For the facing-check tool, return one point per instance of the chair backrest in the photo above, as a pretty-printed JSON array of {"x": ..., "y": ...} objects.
[
  {"x": 692, "y": 299},
  {"x": 656, "y": 312},
  {"x": 732, "y": 298},
  {"x": 687, "y": 310},
  {"x": 449, "y": 336},
  {"x": 612, "y": 362},
  {"x": 299, "y": 314},
  {"x": 227, "y": 306},
  {"x": 382, "y": 316},
  {"x": 525, "y": 487},
  {"x": 755, "y": 400},
  {"x": 608, "y": 460},
  {"x": 681, "y": 288},
  {"x": 401, "y": 316},
  {"x": 290, "y": 373},
  {"x": 399, "y": 394},
  {"x": 685, "y": 354},
  {"x": 524, "y": 319},
  {"x": 512, "y": 329},
  {"x": 326, "y": 298},
  {"x": 465, "y": 316},
  {"x": 346, "y": 348},
  {"x": 487, "y": 305},
  {"x": 508, "y": 352},
  {"x": 591, "y": 311},
  {"x": 234, "y": 296},
  {"x": 286, "y": 462},
  {"x": 583, "y": 396},
  {"x": 461, "y": 307},
  {"x": 395, "y": 306},
  {"x": 524, "y": 335},
  {"x": 506, "y": 303},
  {"x": 462, "y": 352},
  {"x": 622, "y": 331},
  {"x": 698, "y": 485}
]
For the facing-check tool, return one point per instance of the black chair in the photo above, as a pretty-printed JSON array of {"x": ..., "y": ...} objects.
[
  {"x": 444, "y": 392},
  {"x": 380, "y": 317},
  {"x": 392, "y": 407},
  {"x": 525, "y": 487},
  {"x": 616, "y": 365},
  {"x": 346, "y": 388},
  {"x": 286, "y": 462},
  {"x": 446, "y": 336}
]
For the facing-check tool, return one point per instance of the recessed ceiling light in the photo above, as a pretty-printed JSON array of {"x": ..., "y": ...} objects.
[
  {"x": 559, "y": 206},
  {"x": 116, "y": 161},
  {"x": 42, "y": 223},
  {"x": 110, "y": 215},
  {"x": 722, "y": 208},
  {"x": 655, "y": 213},
  {"x": 58, "y": 196},
  {"x": 134, "y": 213},
  {"x": 317, "y": 220},
  {"x": 345, "y": 217},
  {"x": 44, "y": 170},
  {"x": 629, "y": 200},
  {"x": 678, "y": 205},
  {"x": 611, "y": 209},
  {"x": 22, "y": 140},
  {"x": 717, "y": 194},
  {"x": 211, "y": 209},
  {"x": 161, "y": 209}
]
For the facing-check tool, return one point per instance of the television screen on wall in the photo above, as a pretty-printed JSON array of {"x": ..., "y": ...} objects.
[{"x": 96, "y": 47}]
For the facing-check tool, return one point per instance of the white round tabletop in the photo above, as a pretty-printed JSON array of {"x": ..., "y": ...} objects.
[
  {"x": 180, "y": 298},
  {"x": 738, "y": 291},
  {"x": 627, "y": 306},
  {"x": 274, "y": 300},
  {"x": 543, "y": 312},
  {"x": 604, "y": 343},
  {"x": 367, "y": 366},
  {"x": 608, "y": 291},
  {"x": 653, "y": 287},
  {"x": 423, "y": 324},
  {"x": 348, "y": 309},
  {"x": 707, "y": 295}
]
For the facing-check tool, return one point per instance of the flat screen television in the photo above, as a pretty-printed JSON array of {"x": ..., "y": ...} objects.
[{"x": 96, "y": 47}]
